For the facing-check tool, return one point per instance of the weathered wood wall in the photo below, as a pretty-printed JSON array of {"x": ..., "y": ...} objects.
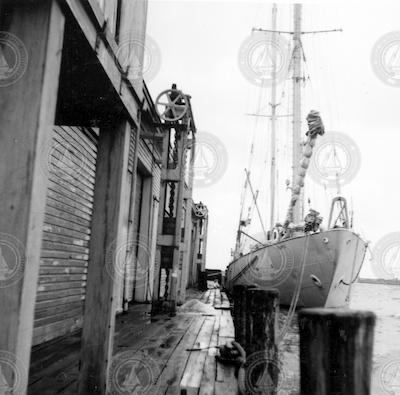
[{"x": 70, "y": 160}]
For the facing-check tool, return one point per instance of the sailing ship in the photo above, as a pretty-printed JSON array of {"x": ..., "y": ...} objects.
[{"x": 310, "y": 267}]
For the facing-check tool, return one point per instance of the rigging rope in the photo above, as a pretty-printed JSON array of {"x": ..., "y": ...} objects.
[
  {"x": 296, "y": 294},
  {"x": 255, "y": 202},
  {"x": 251, "y": 156}
]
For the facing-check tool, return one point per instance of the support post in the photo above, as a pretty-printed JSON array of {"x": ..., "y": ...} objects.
[
  {"x": 195, "y": 276},
  {"x": 204, "y": 243},
  {"x": 239, "y": 313},
  {"x": 131, "y": 251},
  {"x": 161, "y": 213},
  {"x": 187, "y": 243},
  {"x": 185, "y": 247},
  {"x": 28, "y": 105},
  {"x": 262, "y": 365},
  {"x": 105, "y": 261},
  {"x": 336, "y": 351},
  {"x": 175, "y": 291}
]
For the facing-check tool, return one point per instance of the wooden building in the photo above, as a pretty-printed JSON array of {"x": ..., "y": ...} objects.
[{"x": 87, "y": 172}]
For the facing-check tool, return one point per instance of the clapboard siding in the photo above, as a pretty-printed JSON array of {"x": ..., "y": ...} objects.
[
  {"x": 59, "y": 192},
  {"x": 45, "y": 333},
  {"x": 72, "y": 207},
  {"x": 64, "y": 239},
  {"x": 71, "y": 188},
  {"x": 66, "y": 233},
  {"x": 57, "y": 297},
  {"x": 53, "y": 224},
  {"x": 63, "y": 270},
  {"x": 145, "y": 156}
]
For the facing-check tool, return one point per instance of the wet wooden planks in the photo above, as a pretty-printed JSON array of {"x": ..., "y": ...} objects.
[
  {"x": 203, "y": 374},
  {"x": 162, "y": 346},
  {"x": 180, "y": 351},
  {"x": 192, "y": 376},
  {"x": 169, "y": 380},
  {"x": 54, "y": 364}
]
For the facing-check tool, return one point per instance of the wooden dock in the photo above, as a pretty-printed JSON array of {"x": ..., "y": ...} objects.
[{"x": 152, "y": 357}]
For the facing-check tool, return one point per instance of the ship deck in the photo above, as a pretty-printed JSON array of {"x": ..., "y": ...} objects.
[{"x": 157, "y": 350}]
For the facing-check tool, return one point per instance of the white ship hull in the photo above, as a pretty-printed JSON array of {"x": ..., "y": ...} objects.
[{"x": 327, "y": 269}]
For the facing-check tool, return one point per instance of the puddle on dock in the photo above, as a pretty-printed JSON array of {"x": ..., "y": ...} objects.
[{"x": 384, "y": 301}]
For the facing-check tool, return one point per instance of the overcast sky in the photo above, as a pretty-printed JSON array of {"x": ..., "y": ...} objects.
[{"x": 199, "y": 43}]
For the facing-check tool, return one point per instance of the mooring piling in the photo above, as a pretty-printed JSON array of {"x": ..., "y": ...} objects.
[
  {"x": 335, "y": 351},
  {"x": 262, "y": 309},
  {"x": 239, "y": 313},
  {"x": 256, "y": 324}
]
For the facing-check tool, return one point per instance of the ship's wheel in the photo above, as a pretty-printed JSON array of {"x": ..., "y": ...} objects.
[
  {"x": 200, "y": 210},
  {"x": 171, "y": 105}
]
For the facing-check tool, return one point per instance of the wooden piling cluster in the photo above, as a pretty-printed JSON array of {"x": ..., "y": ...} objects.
[{"x": 335, "y": 345}]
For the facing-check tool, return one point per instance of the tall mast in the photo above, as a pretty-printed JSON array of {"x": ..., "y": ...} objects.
[
  {"x": 297, "y": 149},
  {"x": 273, "y": 120}
]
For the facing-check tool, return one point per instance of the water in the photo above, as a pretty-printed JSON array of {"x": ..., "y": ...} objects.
[{"x": 384, "y": 301}]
